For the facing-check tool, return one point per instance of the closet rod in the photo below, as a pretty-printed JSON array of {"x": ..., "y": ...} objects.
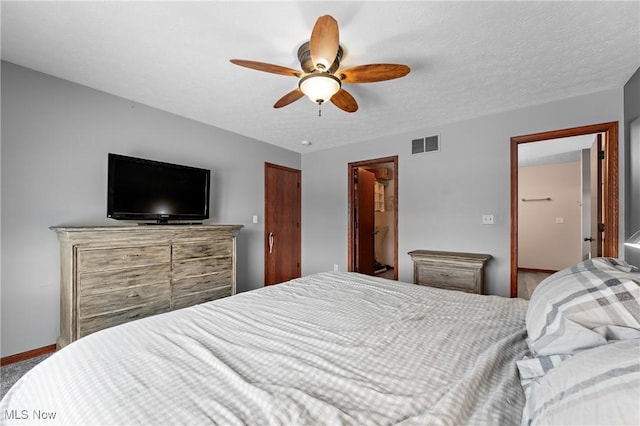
[{"x": 537, "y": 199}]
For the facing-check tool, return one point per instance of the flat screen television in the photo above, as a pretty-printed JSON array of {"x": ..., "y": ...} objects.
[{"x": 147, "y": 190}]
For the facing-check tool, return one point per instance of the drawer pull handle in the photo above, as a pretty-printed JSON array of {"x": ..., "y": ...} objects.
[
  {"x": 126, "y": 256},
  {"x": 133, "y": 316},
  {"x": 133, "y": 295},
  {"x": 271, "y": 241}
]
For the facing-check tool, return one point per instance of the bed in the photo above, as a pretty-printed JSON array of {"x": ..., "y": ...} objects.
[{"x": 326, "y": 349}]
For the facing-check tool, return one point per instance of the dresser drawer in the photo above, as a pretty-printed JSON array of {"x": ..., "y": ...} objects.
[
  {"x": 121, "y": 257},
  {"x": 105, "y": 281},
  {"x": 124, "y": 298},
  {"x": 92, "y": 324},
  {"x": 450, "y": 278},
  {"x": 201, "y": 266},
  {"x": 202, "y": 249},
  {"x": 202, "y": 297},
  {"x": 190, "y": 285}
]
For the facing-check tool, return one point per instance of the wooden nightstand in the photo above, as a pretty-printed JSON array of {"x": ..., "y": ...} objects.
[{"x": 449, "y": 270}]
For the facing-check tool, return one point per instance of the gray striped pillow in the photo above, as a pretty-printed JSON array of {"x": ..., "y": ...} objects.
[
  {"x": 532, "y": 369},
  {"x": 588, "y": 305},
  {"x": 597, "y": 386}
]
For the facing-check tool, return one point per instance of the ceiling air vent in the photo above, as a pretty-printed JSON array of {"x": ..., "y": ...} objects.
[{"x": 428, "y": 144}]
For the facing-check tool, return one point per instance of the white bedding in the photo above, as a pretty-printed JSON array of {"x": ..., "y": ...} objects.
[{"x": 331, "y": 348}]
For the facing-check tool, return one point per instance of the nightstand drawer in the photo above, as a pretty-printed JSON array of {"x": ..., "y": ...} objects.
[
  {"x": 449, "y": 270},
  {"x": 455, "y": 279}
]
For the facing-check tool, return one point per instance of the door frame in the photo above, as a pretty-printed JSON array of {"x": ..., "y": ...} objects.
[
  {"x": 610, "y": 194},
  {"x": 351, "y": 203}
]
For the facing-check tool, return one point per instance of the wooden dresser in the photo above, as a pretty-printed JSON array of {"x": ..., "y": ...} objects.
[
  {"x": 449, "y": 270},
  {"x": 110, "y": 275}
]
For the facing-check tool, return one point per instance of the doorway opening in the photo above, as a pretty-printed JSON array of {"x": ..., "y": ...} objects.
[
  {"x": 373, "y": 217},
  {"x": 602, "y": 229}
]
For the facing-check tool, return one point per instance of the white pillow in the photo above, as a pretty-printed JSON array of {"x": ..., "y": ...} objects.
[
  {"x": 597, "y": 386},
  {"x": 585, "y": 306}
]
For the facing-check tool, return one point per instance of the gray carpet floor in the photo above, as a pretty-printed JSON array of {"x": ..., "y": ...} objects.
[{"x": 9, "y": 374}]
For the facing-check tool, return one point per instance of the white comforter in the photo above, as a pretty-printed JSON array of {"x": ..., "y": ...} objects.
[{"x": 328, "y": 349}]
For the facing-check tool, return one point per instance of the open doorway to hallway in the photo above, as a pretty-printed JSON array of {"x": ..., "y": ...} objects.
[
  {"x": 373, "y": 217},
  {"x": 564, "y": 201},
  {"x": 558, "y": 183}
]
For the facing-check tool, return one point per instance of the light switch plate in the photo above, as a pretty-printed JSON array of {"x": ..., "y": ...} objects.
[{"x": 488, "y": 219}]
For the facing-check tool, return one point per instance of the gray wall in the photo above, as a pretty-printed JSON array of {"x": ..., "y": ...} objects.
[
  {"x": 55, "y": 140},
  {"x": 56, "y": 134},
  {"x": 631, "y": 113},
  {"x": 442, "y": 195}
]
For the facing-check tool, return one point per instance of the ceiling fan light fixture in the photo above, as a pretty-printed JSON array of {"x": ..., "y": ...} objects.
[
  {"x": 319, "y": 87},
  {"x": 320, "y": 62}
]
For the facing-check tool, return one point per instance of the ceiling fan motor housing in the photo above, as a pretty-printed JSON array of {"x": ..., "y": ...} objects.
[{"x": 304, "y": 56}]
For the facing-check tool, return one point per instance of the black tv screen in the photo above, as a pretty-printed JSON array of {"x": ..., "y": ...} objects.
[{"x": 140, "y": 189}]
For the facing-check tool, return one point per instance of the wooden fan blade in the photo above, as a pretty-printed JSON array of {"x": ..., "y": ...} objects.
[
  {"x": 324, "y": 42},
  {"x": 263, "y": 66},
  {"x": 373, "y": 72},
  {"x": 290, "y": 97},
  {"x": 343, "y": 100}
]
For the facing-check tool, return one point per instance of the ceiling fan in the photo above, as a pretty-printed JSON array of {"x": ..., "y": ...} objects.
[{"x": 321, "y": 79}]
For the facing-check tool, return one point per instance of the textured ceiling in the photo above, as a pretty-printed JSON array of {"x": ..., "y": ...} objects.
[
  {"x": 467, "y": 59},
  {"x": 561, "y": 150}
]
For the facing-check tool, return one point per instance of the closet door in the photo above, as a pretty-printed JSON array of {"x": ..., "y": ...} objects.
[
  {"x": 282, "y": 254},
  {"x": 365, "y": 222}
]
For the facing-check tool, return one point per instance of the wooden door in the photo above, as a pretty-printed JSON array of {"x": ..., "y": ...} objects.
[
  {"x": 282, "y": 239},
  {"x": 365, "y": 222},
  {"x": 597, "y": 220}
]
